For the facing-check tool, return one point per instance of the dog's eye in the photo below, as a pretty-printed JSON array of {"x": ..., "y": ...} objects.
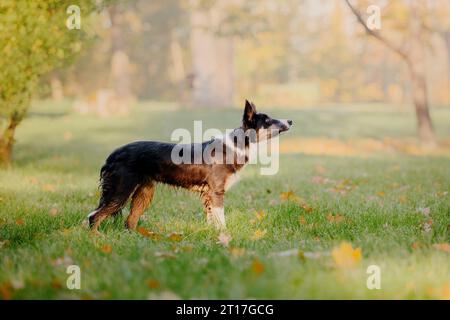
[{"x": 267, "y": 121}]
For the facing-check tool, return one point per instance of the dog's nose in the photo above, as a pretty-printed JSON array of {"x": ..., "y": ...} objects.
[{"x": 290, "y": 122}]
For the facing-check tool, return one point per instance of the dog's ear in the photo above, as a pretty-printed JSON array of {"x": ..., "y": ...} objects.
[{"x": 249, "y": 112}]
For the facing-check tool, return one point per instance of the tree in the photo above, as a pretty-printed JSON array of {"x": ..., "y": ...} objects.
[
  {"x": 414, "y": 58},
  {"x": 34, "y": 40},
  {"x": 212, "y": 57}
]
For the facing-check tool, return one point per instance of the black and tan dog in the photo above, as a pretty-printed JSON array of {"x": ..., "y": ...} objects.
[{"x": 132, "y": 171}]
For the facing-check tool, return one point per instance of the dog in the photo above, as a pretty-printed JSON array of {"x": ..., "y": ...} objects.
[{"x": 133, "y": 170}]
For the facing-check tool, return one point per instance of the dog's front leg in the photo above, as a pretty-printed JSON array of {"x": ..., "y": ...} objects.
[{"x": 217, "y": 214}]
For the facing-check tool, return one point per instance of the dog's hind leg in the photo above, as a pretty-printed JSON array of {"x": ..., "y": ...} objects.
[
  {"x": 96, "y": 217},
  {"x": 140, "y": 201}
]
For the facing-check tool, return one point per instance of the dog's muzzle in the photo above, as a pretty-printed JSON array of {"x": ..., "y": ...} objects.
[{"x": 285, "y": 124}]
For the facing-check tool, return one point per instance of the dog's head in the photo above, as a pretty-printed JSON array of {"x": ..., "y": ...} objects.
[{"x": 261, "y": 124}]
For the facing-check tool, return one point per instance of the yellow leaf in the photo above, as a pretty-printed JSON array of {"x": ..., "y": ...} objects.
[
  {"x": 257, "y": 267},
  {"x": 302, "y": 220},
  {"x": 443, "y": 247},
  {"x": 68, "y": 136},
  {"x": 48, "y": 187},
  {"x": 260, "y": 215},
  {"x": 345, "y": 256},
  {"x": 289, "y": 196},
  {"x": 53, "y": 212},
  {"x": 148, "y": 234},
  {"x": 237, "y": 252},
  {"x": 259, "y": 234},
  {"x": 106, "y": 249},
  {"x": 153, "y": 284},
  {"x": 175, "y": 236},
  {"x": 335, "y": 218}
]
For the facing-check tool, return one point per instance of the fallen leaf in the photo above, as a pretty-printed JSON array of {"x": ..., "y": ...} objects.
[
  {"x": 302, "y": 220},
  {"x": 257, "y": 267},
  {"x": 416, "y": 245},
  {"x": 165, "y": 255},
  {"x": 259, "y": 234},
  {"x": 224, "y": 239},
  {"x": 5, "y": 291},
  {"x": 345, "y": 256},
  {"x": 175, "y": 236},
  {"x": 443, "y": 247},
  {"x": 48, "y": 187},
  {"x": 153, "y": 284},
  {"x": 56, "y": 284},
  {"x": 68, "y": 136},
  {"x": 106, "y": 249},
  {"x": 148, "y": 234},
  {"x": 335, "y": 218},
  {"x": 237, "y": 252},
  {"x": 289, "y": 196},
  {"x": 53, "y": 212},
  {"x": 445, "y": 292},
  {"x": 307, "y": 208},
  {"x": 260, "y": 215}
]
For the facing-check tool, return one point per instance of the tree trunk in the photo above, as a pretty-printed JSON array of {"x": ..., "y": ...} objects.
[
  {"x": 419, "y": 95},
  {"x": 415, "y": 58},
  {"x": 120, "y": 65},
  {"x": 7, "y": 142},
  {"x": 212, "y": 59},
  {"x": 417, "y": 68}
]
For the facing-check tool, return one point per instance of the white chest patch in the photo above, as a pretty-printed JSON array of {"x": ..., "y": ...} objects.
[{"x": 231, "y": 180}]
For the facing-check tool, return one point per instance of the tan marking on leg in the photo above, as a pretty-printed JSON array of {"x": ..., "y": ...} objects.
[
  {"x": 140, "y": 201},
  {"x": 101, "y": 214}
]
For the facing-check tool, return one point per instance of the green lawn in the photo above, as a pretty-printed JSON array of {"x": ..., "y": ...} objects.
[{"x": 371, "y": 202}]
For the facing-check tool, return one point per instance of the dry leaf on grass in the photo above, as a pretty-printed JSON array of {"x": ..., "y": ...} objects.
[
  {"x": 53, "y": 212},
  {"x": 5, "y": 291},
  {"x": 345, "y": 256},
  {"x": 237, "y": 252},
  {"x": 148, "y": 234},
  {"x": 335, "y": 218},
  {"x": 48, "y": 187},
  {"x": 443, "y": 247},
  {"x": 153, "y": 284},
  {"x": 165, "y": 255},
  {"x": 257, "y": 267},
  {"x": 302, "y": 220},
  {"x": 106, "y": 249},
  {"x": 175, "y": 236},
  {"x": 259, "y": 234},
  {"x": 291, "y": 196}
]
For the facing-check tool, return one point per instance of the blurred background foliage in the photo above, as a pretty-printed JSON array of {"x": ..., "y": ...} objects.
[
  {"x": 215, "y": 53},
  {"x": 280, "y": 53}
]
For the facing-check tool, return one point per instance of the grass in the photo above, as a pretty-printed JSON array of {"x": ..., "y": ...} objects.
[{"x": 374, "y": 200}]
